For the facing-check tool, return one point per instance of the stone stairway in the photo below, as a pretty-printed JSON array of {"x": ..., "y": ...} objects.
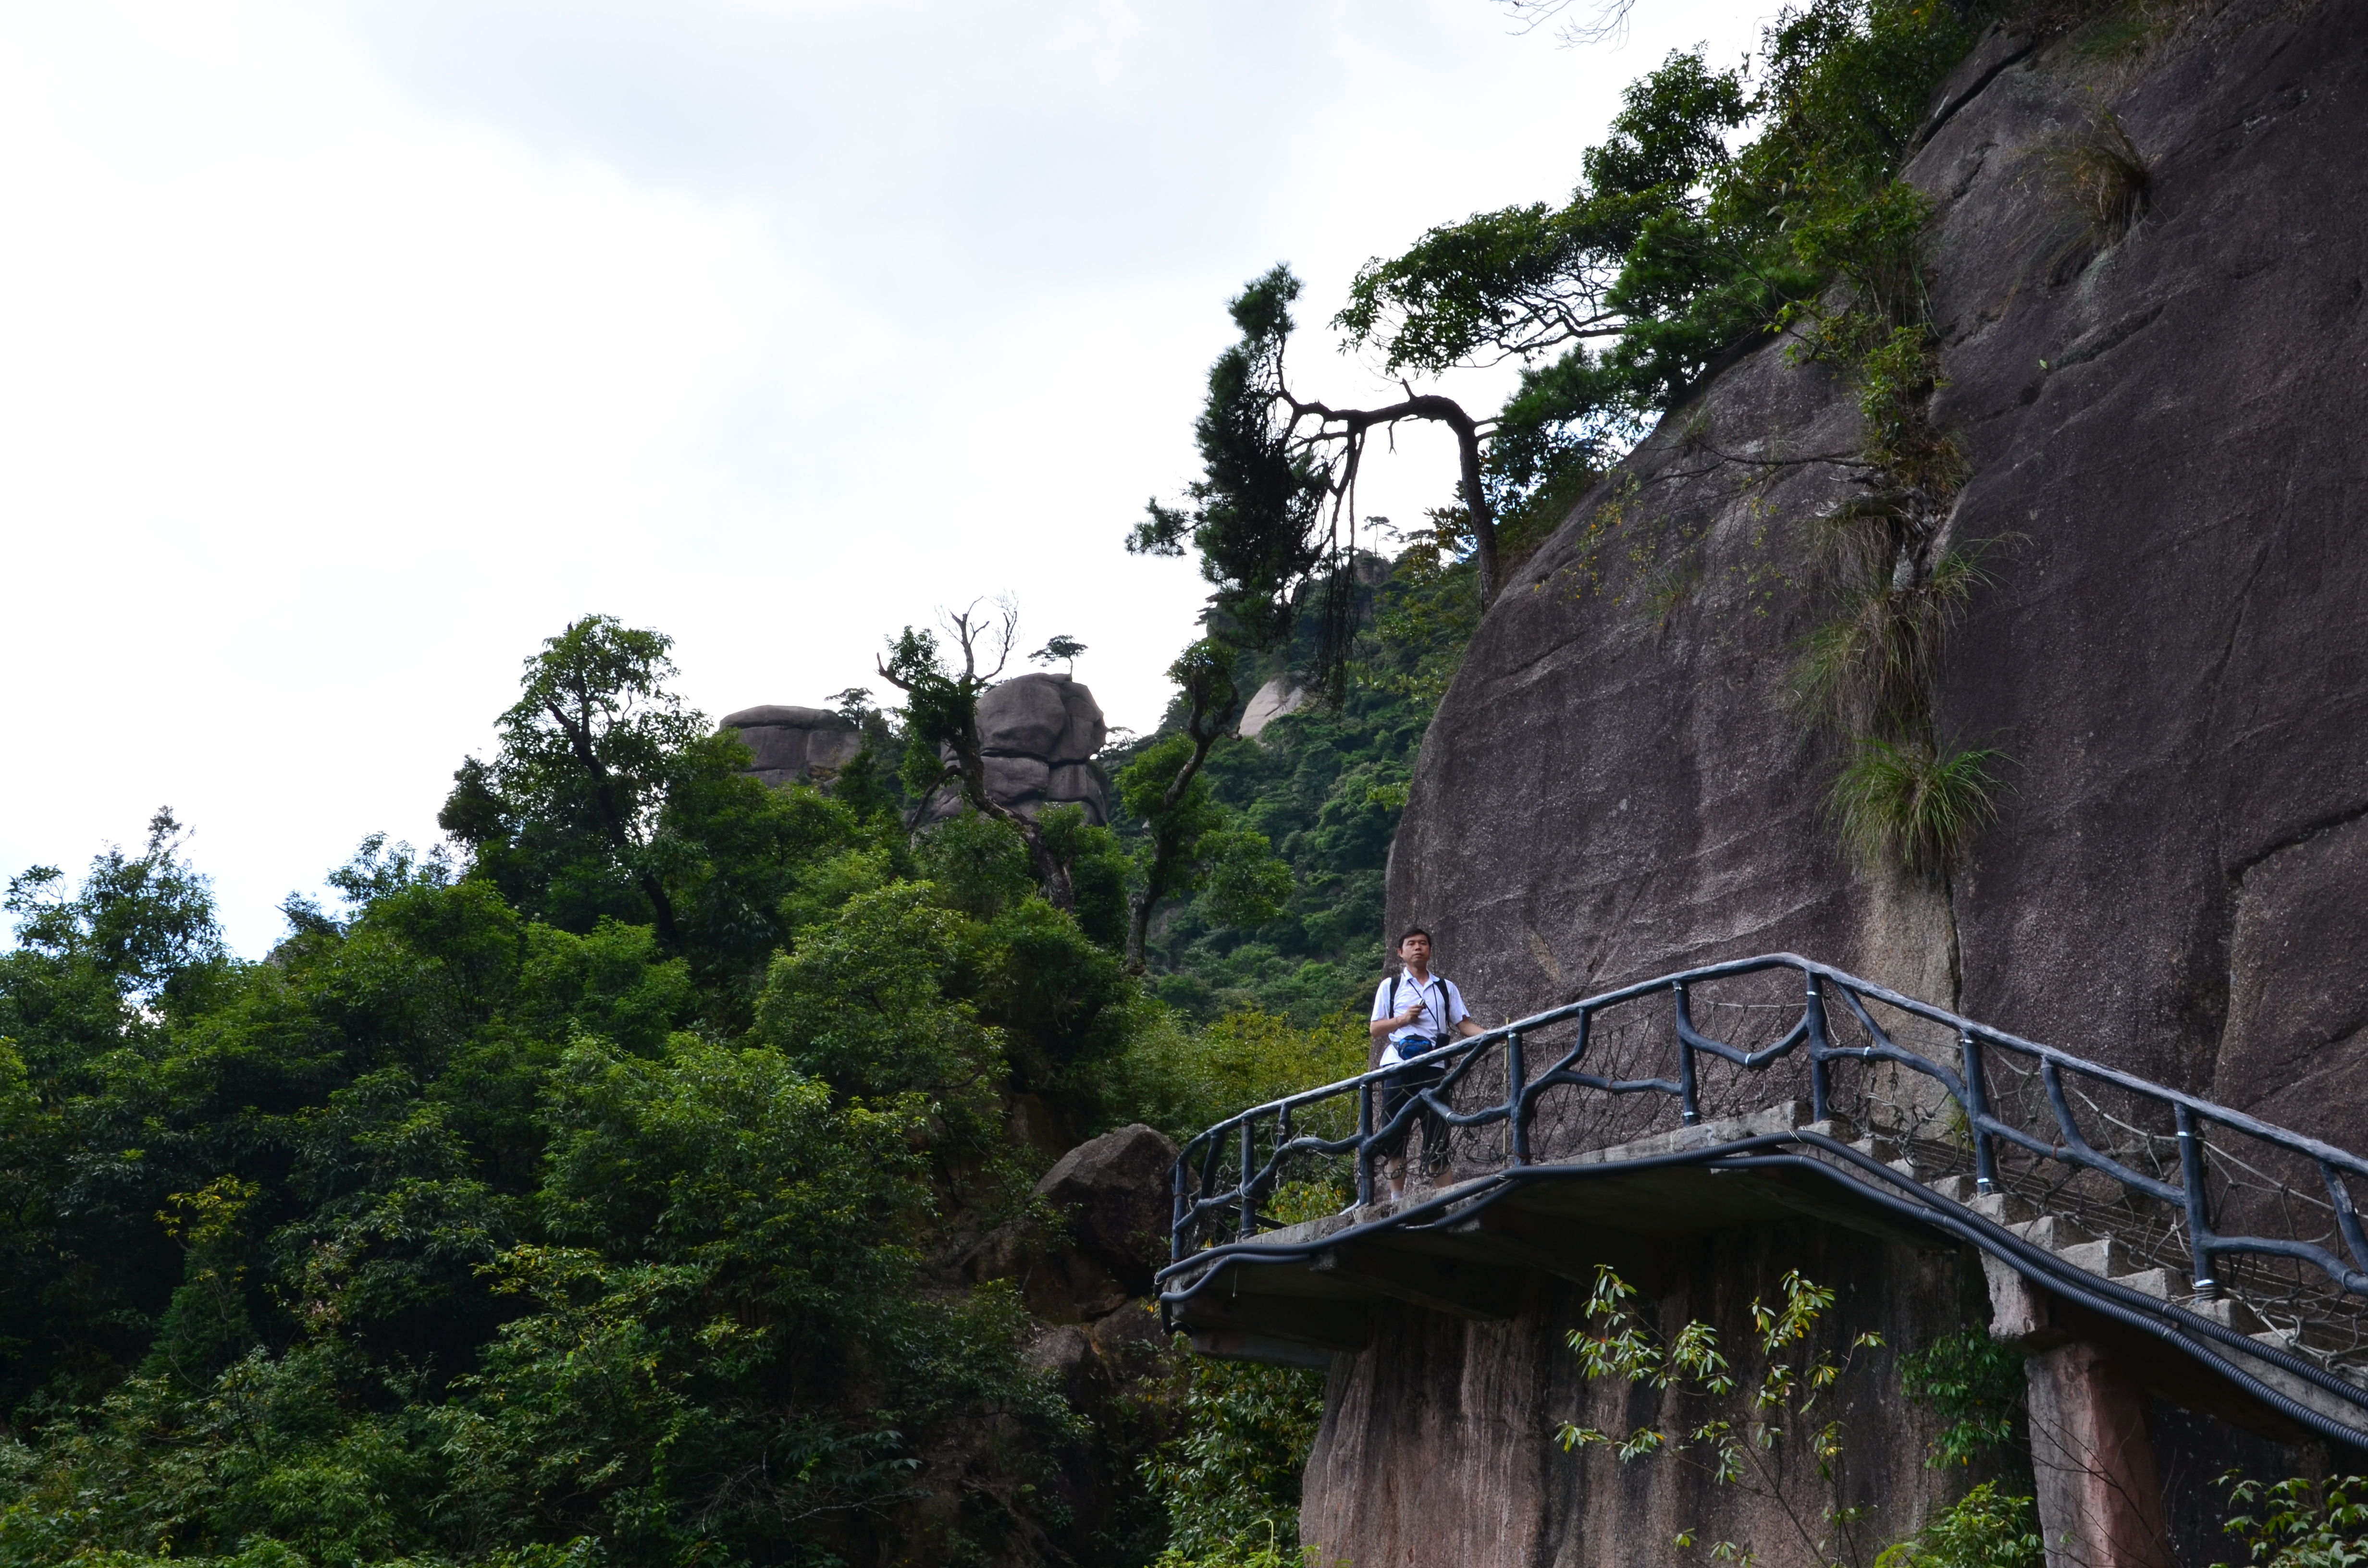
[{"x": 2109, "y": 1258}]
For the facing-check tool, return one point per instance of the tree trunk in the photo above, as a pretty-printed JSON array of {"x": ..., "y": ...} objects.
[{"x": 1475, "y": 502}]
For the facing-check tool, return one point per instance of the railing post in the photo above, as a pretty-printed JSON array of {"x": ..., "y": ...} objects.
[
  {"x": 1689, "y": 1100},
  {"x": 2199, "y": 1217},
  {"x": 1365, "y": 1143},
  {"x": 1176, "y": 1213},
  {"x": 1517, "y": 1077},
  {"x": 1820, "y": 1110},
  {"x": 1977, "y": 1111},
  {"x": 1250, "y": 1193}
]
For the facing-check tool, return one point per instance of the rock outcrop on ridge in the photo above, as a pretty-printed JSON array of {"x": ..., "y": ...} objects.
[
  {"x": 1039, "y": 734},
  {"x": 796, "y": 744}
]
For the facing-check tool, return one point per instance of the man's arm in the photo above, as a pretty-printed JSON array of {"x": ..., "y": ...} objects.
[{"x": 1464, "y": 1028}]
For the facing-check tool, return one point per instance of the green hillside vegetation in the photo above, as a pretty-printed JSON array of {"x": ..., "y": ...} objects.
[{"x": 599, "y": 1194}]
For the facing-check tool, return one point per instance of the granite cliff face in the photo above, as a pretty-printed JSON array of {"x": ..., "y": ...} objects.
[
  {"x": 2167, "y": 450},
  {"x": 2167, "y": 459}
]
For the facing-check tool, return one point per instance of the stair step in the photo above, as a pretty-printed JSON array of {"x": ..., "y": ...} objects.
[
  {"x": 2228, "y": 1312},
  {"x": 2056, "y": 1232},
  {"x": 2004, "y": 1207},
  {"x": 2104, "y": 1256},
  {"x": 2159, "y": 1283}
]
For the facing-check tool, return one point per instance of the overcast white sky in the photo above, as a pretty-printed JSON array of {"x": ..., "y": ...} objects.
[{"x": 347, "y": 350}]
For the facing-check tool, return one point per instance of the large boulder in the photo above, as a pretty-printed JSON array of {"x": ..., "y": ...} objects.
[
  {"x": 1115, "y": 1194},
  {"x": 1281, "y": 695},
  {"x": 796, "y": 744},
  {"x": 1037, "y": 735}
]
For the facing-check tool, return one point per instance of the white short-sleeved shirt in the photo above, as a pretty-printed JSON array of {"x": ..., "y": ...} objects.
[{"x": 1443, "y": 1009}]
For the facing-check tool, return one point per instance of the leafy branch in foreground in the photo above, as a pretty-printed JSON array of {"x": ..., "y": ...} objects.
[
  {"x": 2299, "y": 1523},
  {"x": 1981, "y": 1530},
  {"x": 1970, "y": 1381},
  {"x": 1742, "y": 1448}
]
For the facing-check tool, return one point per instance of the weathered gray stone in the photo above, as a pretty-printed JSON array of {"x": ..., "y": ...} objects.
[
  {"x": 1024, "y": 714},
  {"x": 1074, "y": 781},
  {"x": 778, "y": 714},
  {"x": 1083, "y": 736},
  {"x": 1012, "y": 780},
  {"x": 1037, "y": 735},
  {"x": 1114, "y": 1194},
  {"x": 1057, "y": 1280},
  {"x": 1278, "y": 696},
  {"x": 2295, "y": 1042},
  {"x": 791, "y": 743}
]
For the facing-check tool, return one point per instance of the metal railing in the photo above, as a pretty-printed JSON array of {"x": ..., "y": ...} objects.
[{"x": 2229, "y": 1202}]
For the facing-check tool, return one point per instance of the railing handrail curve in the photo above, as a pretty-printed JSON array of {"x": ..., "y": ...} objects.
[{"x": 1196, "y": 1197}]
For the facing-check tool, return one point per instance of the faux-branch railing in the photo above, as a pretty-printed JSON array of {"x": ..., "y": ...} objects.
[{"x": 2199, "y": 1169}]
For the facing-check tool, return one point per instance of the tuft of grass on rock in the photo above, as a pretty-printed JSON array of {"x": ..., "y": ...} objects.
[{"x": 1909, "y": 801}]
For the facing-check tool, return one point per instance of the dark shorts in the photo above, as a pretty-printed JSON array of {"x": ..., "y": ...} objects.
[{"x": 1403, "y": 1085}]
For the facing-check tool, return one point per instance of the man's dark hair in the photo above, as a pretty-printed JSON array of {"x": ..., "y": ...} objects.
[{"x": 1416, "y": 931}]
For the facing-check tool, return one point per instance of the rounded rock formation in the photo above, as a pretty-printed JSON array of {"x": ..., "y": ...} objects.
[
  {"x": 796, "y": 744},
  {"x": 1037, "y": 735}
]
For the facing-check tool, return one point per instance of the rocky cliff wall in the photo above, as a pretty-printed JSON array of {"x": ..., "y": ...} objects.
[
  {"x": 2167, "y": 448},
  {"x": 1438, "y": 1444}
]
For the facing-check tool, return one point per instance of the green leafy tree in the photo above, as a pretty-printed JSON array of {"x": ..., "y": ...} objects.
[
  {"x": 1273, "y": 513},
  {"x": 1192, "y": 841},
  {"x": 611, "y": 799},
  {"x": 566, "y": 817}
]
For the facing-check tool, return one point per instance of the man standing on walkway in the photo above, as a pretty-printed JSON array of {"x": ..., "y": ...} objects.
[{"x": 1413, "y": 1011}]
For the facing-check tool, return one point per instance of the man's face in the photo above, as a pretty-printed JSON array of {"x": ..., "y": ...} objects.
[{"x": 1415, "y": 950}]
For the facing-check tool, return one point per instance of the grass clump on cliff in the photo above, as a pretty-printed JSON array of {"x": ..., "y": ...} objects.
[
  {"x": 1908, "y": 803},
  {"x": 2108, "y": 180}
]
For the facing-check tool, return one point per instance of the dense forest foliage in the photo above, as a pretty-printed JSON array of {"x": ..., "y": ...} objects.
[
  {"x": 598, "y": 1194},
  {"x": 598, "y": 1188}
]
